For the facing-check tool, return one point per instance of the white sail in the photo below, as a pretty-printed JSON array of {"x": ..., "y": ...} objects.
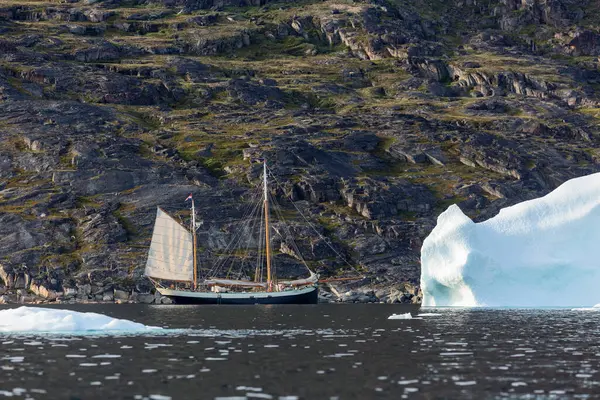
[{"x": 171, "y": 254}]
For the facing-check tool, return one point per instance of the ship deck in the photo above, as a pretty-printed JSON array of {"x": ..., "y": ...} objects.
[{"x": 306, "y": 295}]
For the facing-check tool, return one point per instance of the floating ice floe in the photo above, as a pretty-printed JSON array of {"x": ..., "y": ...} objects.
[
  {"x": 38, "y": 319},
  {"x": 594, "y": 308},
  {"x": 400, "y": 316},
  {"x": 541, "y": 252}
]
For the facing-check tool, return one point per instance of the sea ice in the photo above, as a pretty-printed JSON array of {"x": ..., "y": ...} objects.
[
  {"x": 400, "y": 316},
  {"x": 38, "y": 319},
  {"x": 541, "y": 252},
  {"x": 594, "y": 308}
]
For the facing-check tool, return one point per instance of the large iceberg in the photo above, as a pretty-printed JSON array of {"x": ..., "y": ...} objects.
[
  {"x": 39, "y": 319},
  {"x": 541, "y": 252}
]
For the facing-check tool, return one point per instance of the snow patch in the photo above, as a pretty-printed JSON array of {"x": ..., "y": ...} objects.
[
  {"x": 39, "y": 319},
  {"x": 400, "y": 316},
  {"x": 528, "y": 255}
]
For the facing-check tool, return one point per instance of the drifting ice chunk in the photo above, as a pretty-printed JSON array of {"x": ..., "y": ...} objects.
[
  {"x": 400, "y": 316},
  {"x": 542, "y": 252},
  {"x": 595, "y": 308},
  {"x": 38, "y": 319}
]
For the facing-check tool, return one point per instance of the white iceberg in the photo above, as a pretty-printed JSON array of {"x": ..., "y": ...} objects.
[
  {"x": 542, "y": 252},
  {"x": 400, "y": 316},
  {"x": 38, "y": 319}
]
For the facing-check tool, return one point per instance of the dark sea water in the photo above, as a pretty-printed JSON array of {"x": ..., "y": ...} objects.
[{"x": 326, "y": 351}]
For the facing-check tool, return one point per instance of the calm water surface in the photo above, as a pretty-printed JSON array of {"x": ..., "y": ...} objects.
[{"x": 312, "y": 352}]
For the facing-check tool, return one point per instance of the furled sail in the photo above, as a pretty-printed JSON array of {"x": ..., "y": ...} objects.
[
  {"x": 171, "y": 254},
  {"x": 313, "y": 278}
]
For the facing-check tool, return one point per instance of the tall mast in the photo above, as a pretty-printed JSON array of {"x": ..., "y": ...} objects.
[
  {"x": 194, "y": 245},
  {"x": 267, "y": 241}
]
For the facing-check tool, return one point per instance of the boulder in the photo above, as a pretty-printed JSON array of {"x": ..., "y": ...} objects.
[
  {"x": 6, "y": 275},
  {"x": 76, "y": 29},
  {"x": 22, "y": 281},
  {"x": 26, "y": 299},
  {"x": 8, "y": 299},
  {"x": 42, "y": 290},
  {"x": 98, "y": 15},
  {"x": 350, "y": 296},
  {"x": 121, "y": 295},
  {"x": 84, "y": 290},
  {"x": 145, "y": 298}
]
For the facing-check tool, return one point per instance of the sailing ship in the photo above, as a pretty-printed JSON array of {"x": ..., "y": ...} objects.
[{"x": 172, "y": 266}]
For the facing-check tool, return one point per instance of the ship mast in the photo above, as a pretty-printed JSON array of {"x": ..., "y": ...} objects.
[
  {"x": 267, "y": 240},
  {"x": 194, "y": 244}
]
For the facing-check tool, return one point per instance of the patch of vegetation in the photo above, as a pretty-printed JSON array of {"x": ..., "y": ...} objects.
[
  {"x": 383, "y": 147},
  {"x": 88, "y": 201}
]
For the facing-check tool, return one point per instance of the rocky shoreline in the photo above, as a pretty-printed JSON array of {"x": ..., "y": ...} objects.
[{"x": 86, "y": 295}]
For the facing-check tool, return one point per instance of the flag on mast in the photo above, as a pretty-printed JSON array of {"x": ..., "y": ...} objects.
[{"x": 189, "y": 197}]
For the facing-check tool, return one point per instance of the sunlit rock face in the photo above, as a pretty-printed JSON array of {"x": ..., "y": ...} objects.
[{"x": 542, "y": 252}]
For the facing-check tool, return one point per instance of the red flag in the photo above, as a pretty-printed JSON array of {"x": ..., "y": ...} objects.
[{"x": 189, "y": 197}]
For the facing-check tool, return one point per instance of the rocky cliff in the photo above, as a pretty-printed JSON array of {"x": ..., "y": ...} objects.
[{"x": 375, "y": 115}]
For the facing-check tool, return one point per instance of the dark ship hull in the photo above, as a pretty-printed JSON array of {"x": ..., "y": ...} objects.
[{"x": 308, "y": 295}]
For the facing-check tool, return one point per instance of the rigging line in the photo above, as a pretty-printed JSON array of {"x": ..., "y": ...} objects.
[
  {"x": 258, "y": 249},
  {"x": 262, "y": 235},
  {"x": 257, "y": 217},
  {"x": 235, "y": 241},
  {"x": 231, "y": 260},
  {"x": 248, "y": 245},
  {"x": 237, "y": 244},
  {"x": 221, "y": 260},
  {"x": 231, "y": 244},
  {"x": 311, "y": 225},
  {"x": 287, "y": 230},
  {"x": 259, "y": 221},
  {"x": 261, "y": 241},
  {"x": 262, "y": 244},
  {"x": 269, "y": 259}
]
